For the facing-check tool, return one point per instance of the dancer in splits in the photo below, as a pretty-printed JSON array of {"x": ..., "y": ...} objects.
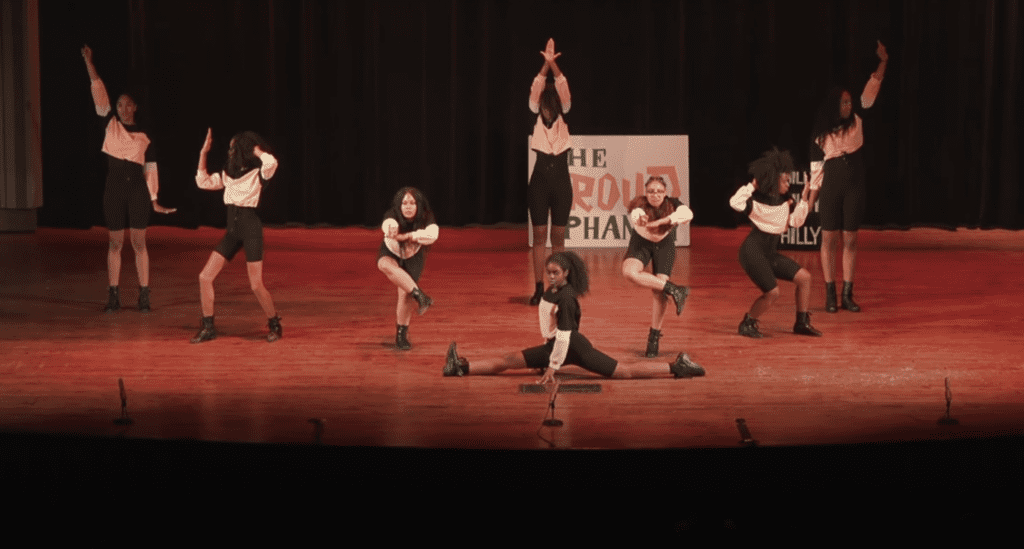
[
  {"x": 655, "y": 217},
  {"x": 131, "y": 189},
  {"x": 250, "y": 165},
  {"x": 409, "y": 229},
  {"x": 772, "y": 213},
  {"x": 550, "y": 187},
  {"x": 559, "y": 315},
  {"x": 837, "y": 173}
]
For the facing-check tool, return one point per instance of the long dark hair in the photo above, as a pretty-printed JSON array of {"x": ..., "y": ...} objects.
[
  {"x": 767, "y": 170},
  {"x": 549, "y": 99},
  {"x": 578, "y": 277},
  {"x": 240, "y": 156},
  {"x": 424, "y": 215},
  {"x": 829, "y": 118}
]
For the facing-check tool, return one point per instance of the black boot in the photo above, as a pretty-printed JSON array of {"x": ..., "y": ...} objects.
[
  {"x": 453, "y": 364},
  {"x": 652, "y": 343},
  {"x": 275, "y": 329},
  {"x": 678, "y": 294},
  {"x": 749, "y": 327},
  {"x": 401, "y": 341},
  {"x": 113, "y": 299},
  {"x": 830, "y": 297},
  {"x": 423, "y": 299},
  {"x": 848, "y": 302},
  {"x": 803, "y": 325},
  {"x": 144, "y": 299},
  {"x": 538, "y": 292},
  {"x": 685, "y": 368},
  {"x": 206, "y": 332}
]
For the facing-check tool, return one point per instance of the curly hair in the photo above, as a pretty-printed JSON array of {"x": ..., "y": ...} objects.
[
  {"x": 578, "y": 276},
  {"x": 767, "y": 170}
]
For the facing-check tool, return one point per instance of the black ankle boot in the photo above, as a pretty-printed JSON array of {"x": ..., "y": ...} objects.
[
  {"x": 848, "y": 302},
  {"x": 113, "y": 299},
  {"x": 401, "y": 341},
  {"x": 830, "y": 297},
  {"x": 453, "y": 364},
  {"x": 678, "y": 294},
  {"x": 803, "y": 325},
  {"x": 652, "y": 343},
  {"x": 206, "y": 332},
  {"x": 748, "y": 327},
  {"x": 538, "y": 292},
  {"x": 685, "y": 368},
  {"x": 275, "y": 329},
  {"x": 144, "y": 299},
  {"x": 423, "y": 299}
]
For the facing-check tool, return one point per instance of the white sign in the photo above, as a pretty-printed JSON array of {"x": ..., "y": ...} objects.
[{"x": 609, "y": 171}]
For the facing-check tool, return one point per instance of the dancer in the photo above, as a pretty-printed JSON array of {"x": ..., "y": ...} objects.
[
  {"x": 409, "y": 228},
  {"x": 765, "y": 201},
  {"x": 550, "y": 186},
  {"x": 655, "y": 217},
  {"x": 130, "y": 193},
  {"x": 837, "y": 173},
  {"x": 559, "y": 315},
  {"x": 250, "y": 165}
]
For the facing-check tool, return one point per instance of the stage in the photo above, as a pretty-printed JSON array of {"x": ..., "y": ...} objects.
[
  {"x": 832, "y": 420},
  {"x": 936, "y": 305}
]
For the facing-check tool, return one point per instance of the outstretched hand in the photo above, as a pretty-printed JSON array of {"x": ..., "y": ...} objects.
[
  {"x": 882, "y": 54},
  {"x": 87, "y": 53}
]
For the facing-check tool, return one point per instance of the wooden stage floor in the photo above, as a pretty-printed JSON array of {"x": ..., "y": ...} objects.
[{"x": 936, "y": 305}]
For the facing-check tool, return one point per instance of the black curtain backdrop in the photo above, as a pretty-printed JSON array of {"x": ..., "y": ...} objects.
[{"x": 360, "y": 98}]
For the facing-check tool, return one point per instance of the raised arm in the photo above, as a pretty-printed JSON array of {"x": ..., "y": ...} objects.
[
  {"x": 867, "y": 97},
  {"x": 99, "y": 91},
  {"x": 203, "y": 179}
]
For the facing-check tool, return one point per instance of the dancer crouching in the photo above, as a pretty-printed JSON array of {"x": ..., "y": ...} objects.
[
  {"x": 409, "y": 228},
  {"x": 765, "y": 201},
  {"x": 249, "y": 167},
  {"x": 654, "y": 217},
  {"x": 559, "y": 315}
]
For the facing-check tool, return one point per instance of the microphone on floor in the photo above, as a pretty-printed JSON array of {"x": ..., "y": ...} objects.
[{"x": 124, "y": 419}]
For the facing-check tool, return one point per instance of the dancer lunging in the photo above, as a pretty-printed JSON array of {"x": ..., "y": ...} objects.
[
  {"x": 250, "y": 165},
  {"x": 771, "y": 214}
]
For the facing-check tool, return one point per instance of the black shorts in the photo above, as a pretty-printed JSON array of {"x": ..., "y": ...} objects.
[
  {"x": 581, "y": 353},
  {"x": 126, "y": 200},
  {"x": 842, "y": 199},
  {"x": 413, "y": 265},
  {"x": 763, "y": 263},
  {"x": 550, "y": 189},
  {"x": 244, "y": 229},
  {"x": 662, "y": 254}
]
